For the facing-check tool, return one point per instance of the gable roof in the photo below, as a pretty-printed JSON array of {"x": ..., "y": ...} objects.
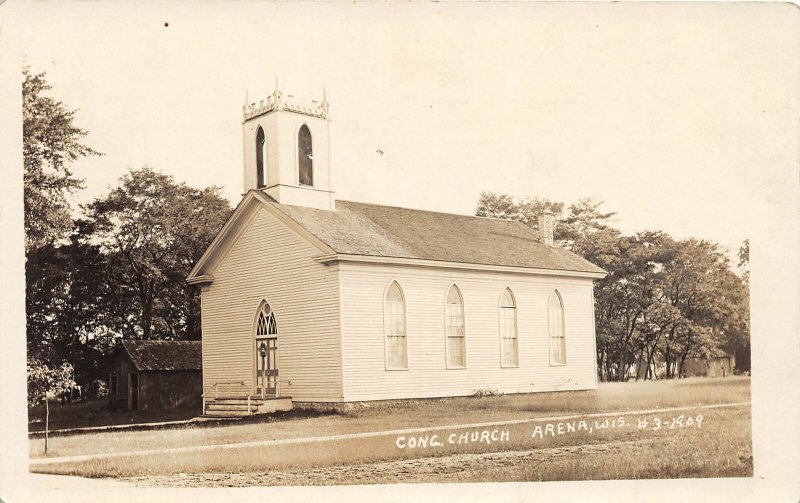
[
  {"x": 164, "y": 355},
  {"x": 389, "y": 232},
  {"x": 238, "y": 220}
]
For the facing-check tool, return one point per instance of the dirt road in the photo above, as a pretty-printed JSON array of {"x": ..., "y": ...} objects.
[{"x": 455, "y": 468}]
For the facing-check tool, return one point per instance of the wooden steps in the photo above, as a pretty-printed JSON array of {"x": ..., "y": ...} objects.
[{"x": 243, "y": 407}]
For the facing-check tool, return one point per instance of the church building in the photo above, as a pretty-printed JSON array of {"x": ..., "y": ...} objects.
[{"x": 307, "y": 299}]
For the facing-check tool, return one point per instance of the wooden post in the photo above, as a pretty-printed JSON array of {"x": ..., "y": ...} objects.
[
  {"x": 46, "y": 421},
  {"x": 262, "y": 350}
]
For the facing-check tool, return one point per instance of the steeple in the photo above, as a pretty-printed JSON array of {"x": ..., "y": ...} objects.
[{"x": 286, "y": 149}]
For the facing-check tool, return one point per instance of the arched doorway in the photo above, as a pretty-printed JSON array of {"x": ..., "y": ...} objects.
[{"x": 266, "y": 352}]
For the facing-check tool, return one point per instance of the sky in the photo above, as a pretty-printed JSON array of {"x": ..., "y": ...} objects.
[{"x": 674, "y": 115}]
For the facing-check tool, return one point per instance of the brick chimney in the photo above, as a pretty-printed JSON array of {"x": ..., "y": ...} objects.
[{"x": 546, "y": 224}]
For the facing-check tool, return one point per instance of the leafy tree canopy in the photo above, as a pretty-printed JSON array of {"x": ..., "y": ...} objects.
[
  {"x": 574, "y": 223},
  {"x": 152, "y": 230},
  {"x": 51, "y": 143}
]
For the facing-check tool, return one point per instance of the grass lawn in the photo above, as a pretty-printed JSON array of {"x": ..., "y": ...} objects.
[
  {"x": 720, "y": 449},
  {"x": 97, "y": 413},
  {"x": 717, "y": 448}
]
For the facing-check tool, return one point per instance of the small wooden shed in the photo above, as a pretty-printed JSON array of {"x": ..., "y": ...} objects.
[
  {"x": 718, "y": 365},
  {"x": 156, "y": 375}
]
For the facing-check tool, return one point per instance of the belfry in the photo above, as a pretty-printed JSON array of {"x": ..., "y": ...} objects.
[{"x": 286, "y": 150}]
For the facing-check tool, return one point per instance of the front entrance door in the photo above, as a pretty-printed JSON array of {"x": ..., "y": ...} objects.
[{"x": 267, "y": 366}]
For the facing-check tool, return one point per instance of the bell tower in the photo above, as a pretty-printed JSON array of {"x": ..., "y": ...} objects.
[{"x": 286, "y": 150}]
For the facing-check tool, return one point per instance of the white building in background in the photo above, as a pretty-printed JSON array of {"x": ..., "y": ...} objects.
[{"x": 306, "y": 298}]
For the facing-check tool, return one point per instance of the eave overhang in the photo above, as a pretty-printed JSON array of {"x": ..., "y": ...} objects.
[
  {"x": 203, "y": 279},
  {"x": 370, "y": 259}
]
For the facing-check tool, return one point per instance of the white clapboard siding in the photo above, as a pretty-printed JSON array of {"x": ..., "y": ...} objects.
[
  {"x": 364, "y": 364},
  {"x": 269, "y": 261}
]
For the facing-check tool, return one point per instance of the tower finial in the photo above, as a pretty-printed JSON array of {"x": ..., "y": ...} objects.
[
  {"x": 246, "y": 99},
  {"x": 324, "y": 102},
  {"x": 276, "y": 94}
]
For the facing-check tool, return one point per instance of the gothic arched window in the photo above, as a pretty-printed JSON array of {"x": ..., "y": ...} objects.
[
  {"x": 305, "y": 156},
  {"x": 509, "y": 352},
  {"x": 558, "y": 341},
  {"x": 394, "y": 326},
  {"x": 454, "y": 326},
  {"x": 265, "y": 325},
  {"x": 261, "y": 158}
]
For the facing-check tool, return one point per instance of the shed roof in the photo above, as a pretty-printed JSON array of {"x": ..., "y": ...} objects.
[
  {"x": 164, "y": 355},
  {"x": 389, "y": 231}
]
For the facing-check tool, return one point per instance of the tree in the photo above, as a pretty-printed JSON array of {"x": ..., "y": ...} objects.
[
  {"x": 70, "y": 307},
  {"x": 574, "y": 224},
  {"x": 624, "y": 299},
  {"x": 526, "y": 211},
  {"x": 151, "y": 231},
  {"x": 744, "y": 260},
  {"x": 42, "y": 379},
  {"x": 59, "y": 289},
  {"x": 737, "y": 339},
  {"x": 583, "y": 220},
  {"x": 62, "y": 298},
  {"x": 51, "y": 142},
  {"x": 699, "y": 284}
]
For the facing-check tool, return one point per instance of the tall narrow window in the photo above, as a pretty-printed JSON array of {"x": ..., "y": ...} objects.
[
  {"x": 394, "y": 326},
  {"x": 261, "y": 158},
  {"x": 509, "y": 352},
  {"x": 305, "y": 156},
  {"x": 558, "y": 343},
  {"x": 454, "y": 323}
]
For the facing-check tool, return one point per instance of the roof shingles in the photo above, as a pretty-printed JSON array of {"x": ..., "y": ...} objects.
[
  {"x": 387, "y": 231},
  {"x": 165, "y": 355}
]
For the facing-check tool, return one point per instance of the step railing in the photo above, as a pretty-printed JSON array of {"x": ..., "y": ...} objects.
[
  {"x": 225, "y": 386},
  {"x": 228, "y": 386}
]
